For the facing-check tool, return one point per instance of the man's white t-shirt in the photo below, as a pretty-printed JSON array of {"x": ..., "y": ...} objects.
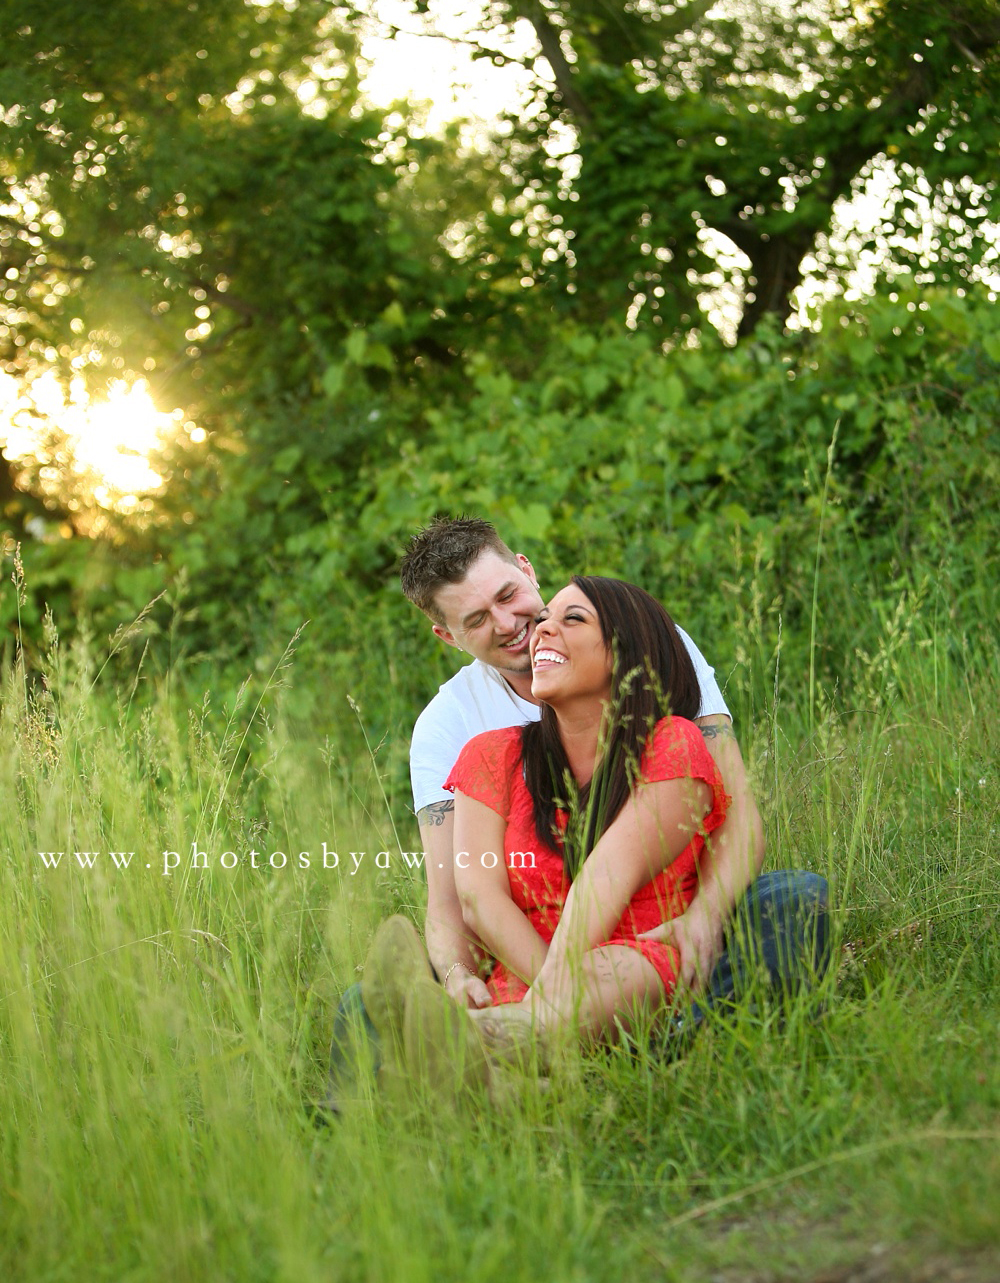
[{"x": 478, "y": 699}]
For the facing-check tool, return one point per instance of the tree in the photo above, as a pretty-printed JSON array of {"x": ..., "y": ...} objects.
[
  {"x": 749, "y": 121},
  {"x": 169, "y": 199},
  {"x": 195, "y": 193}
]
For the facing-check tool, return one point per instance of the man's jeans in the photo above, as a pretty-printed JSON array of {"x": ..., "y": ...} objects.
[{"x": 778, "y": 942}]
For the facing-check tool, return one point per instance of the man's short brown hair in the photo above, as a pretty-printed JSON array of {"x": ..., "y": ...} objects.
[{"x": 442, "y": 553}]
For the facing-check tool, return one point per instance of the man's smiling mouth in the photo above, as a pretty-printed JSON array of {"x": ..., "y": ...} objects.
[{"x": 515, "y": 641}]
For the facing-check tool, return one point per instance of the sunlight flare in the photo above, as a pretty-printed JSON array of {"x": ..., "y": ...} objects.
[
  {"x": 114, "y": 439},
  {"x": 105, "y": 443}
]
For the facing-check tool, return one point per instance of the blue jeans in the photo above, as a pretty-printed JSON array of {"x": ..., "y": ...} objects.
[
  {"x": 778, "y": 942},
  {"x": 779, "y": 939}
]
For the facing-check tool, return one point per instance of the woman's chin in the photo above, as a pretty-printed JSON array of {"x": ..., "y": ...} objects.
[{"x": 543, "y": 688}]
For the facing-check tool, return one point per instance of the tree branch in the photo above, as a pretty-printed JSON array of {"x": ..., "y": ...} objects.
[
  {"x": 548, "y": 38},
  {"x": 209, "y": 349}
]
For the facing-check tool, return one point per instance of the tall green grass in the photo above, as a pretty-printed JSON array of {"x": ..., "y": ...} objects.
[{"x": 162, "y": 1037}]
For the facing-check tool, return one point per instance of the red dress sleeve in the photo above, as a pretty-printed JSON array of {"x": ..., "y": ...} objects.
[
  {"x": 676, "y": 750},
  {"x": 485, "y": 768}
]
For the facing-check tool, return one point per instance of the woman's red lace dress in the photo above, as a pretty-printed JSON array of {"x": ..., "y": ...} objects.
[{"x": 490, "y": 770}]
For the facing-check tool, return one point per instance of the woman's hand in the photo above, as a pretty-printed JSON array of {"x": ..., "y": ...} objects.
[{"x": 468, "y": 989}]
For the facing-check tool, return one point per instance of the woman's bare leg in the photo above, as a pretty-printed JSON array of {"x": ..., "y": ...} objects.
[{"x": 611, "y": 983}]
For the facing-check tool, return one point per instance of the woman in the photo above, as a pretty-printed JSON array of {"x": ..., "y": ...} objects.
[
  {"x": 606, "y": 659},
  {"x": 575, "y": 834}
]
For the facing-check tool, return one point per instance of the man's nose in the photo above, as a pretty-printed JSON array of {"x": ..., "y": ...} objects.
[{"x": 505, "y": 620}]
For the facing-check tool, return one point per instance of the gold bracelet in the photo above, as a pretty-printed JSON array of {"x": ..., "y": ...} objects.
[{"x": 447, "y": 974}]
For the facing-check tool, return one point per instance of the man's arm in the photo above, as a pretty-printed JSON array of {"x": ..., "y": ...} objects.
[
  {"x": 733, "y": 857},
  {"x": 445, "y": 932}
]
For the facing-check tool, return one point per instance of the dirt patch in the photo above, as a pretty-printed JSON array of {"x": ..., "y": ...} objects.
[
  {"x": 888, "y": 1264},
  {"x": 787, "y": 1249}
]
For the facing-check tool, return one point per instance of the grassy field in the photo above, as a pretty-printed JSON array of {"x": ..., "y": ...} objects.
[{"x": 163, "y": 1027}]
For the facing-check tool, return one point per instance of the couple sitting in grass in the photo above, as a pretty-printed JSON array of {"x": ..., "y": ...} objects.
[{"x": 589, "y": 830}]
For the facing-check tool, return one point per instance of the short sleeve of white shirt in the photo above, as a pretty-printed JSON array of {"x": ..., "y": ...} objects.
[
  {"x": 478, "y": 699},
  {"x": 712, "y": 702}
]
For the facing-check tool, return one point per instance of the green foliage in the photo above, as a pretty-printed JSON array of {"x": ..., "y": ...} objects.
[
  {"x": 232, "y": 252},
  {"x": 324, "y": 293},
  {"x": 183, "y": 211},
  {"x": 701, "y": 474}
]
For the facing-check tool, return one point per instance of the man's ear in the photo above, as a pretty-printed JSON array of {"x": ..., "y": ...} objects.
[
  {"x": 527, "y": 567},
  {"x": 445, "y": 636}
]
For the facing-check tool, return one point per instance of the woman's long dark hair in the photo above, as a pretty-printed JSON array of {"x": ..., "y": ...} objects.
[{"x": 652, "y": 674}]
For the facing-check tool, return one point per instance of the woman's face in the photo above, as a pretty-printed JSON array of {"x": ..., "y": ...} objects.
[{"x": 568, "y": 656}]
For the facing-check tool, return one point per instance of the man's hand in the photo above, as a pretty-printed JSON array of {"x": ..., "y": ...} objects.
[
  {"x": 697, "y": 937},
  {"x": 468, "y": 989},
  {"x": 732, "y": 859}
]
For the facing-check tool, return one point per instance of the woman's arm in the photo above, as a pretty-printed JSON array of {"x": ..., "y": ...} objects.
[
  {"x": 484, "y": 891},
  {"x": 649, "y": 833}
]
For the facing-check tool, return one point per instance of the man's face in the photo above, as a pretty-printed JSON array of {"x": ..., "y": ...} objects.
[{"x": 491, "y": 613}]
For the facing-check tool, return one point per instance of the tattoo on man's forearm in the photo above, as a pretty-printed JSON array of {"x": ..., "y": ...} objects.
[
  {"x": 716, "y": 729},
  {"x": 432, "y": 816}
]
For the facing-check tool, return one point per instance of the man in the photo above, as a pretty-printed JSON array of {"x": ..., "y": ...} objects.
[{"x": 482, "y": 599}]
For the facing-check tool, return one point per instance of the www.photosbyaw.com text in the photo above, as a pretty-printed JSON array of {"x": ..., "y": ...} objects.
[{"x": 196, "y": 859}]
